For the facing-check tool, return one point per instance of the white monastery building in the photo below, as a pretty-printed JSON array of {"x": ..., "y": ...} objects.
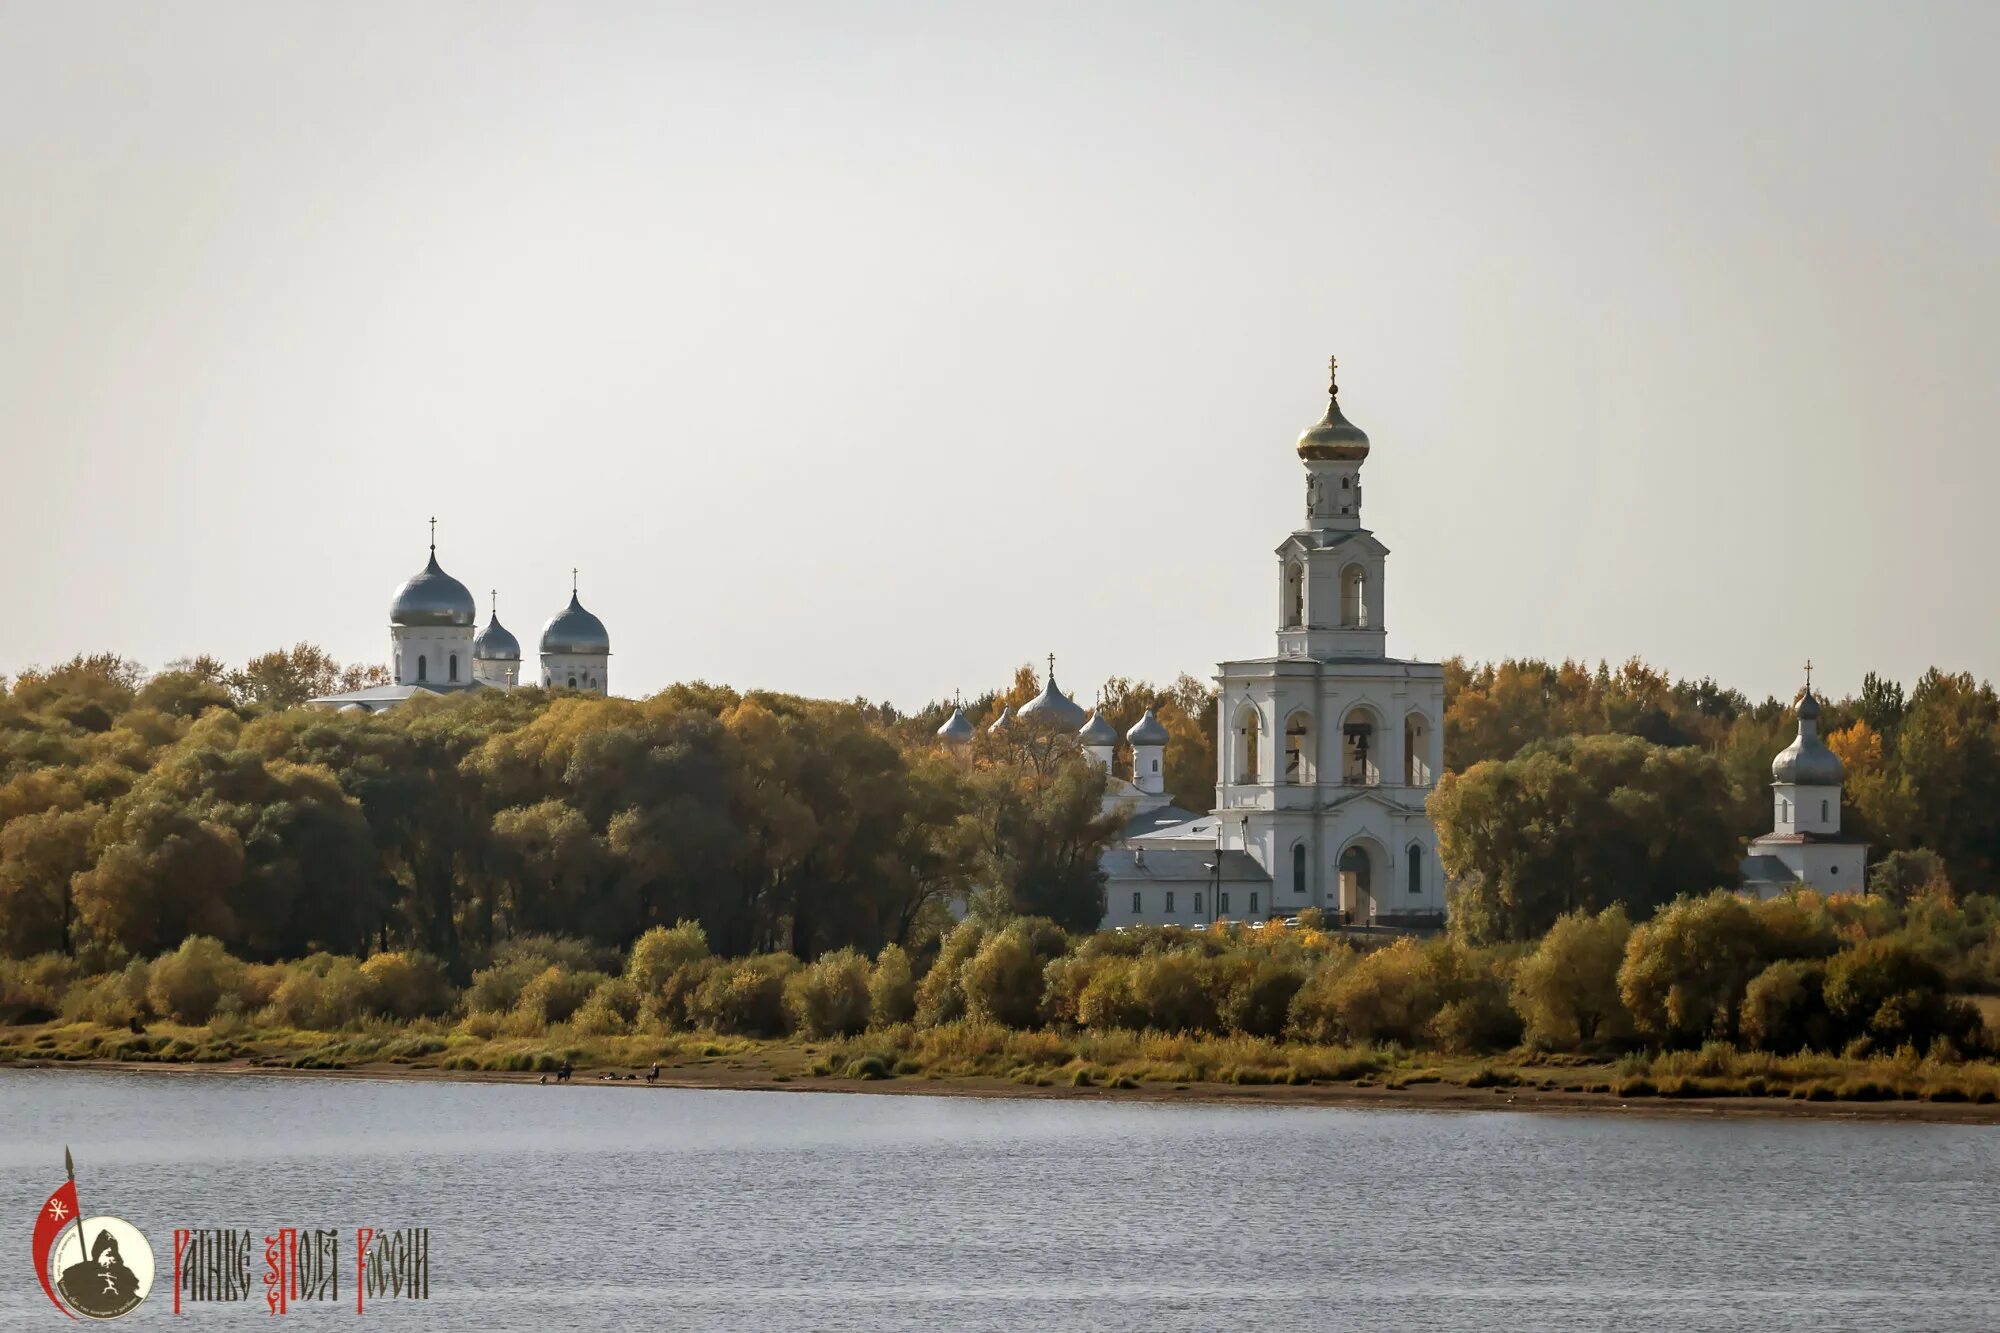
[
  {"x": 1328, "y": 747},
  {"x": 1804, "y": 848},
  {"x": 433, "y": 648}
]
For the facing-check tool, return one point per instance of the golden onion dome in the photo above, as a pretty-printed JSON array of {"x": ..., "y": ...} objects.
[{"x": 1333, "y": 438}]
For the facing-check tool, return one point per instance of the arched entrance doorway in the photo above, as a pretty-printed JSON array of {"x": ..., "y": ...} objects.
[{"x": 1357, "y": 886}]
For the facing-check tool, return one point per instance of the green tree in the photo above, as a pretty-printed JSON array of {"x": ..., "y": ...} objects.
[
  {"x": 1577, "y": 825},
  {"x": 1566, "y": 991}
]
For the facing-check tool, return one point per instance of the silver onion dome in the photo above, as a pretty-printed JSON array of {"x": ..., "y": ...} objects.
[
  {"x": 956, "y": 730},
  {"x": 1148, "y": 730},
  {"x": 496, "y": 643},
  {"x": 1000, "y": 723},
  {"x": 575, "y": 630},
  {"x": 1053, "y": 708},
  {"x": 1806, "y": 761},
  {"x": 1097, "y": 731},
  {"x": 432, "y": 598},
  {"x": 1333, "y": 437}
]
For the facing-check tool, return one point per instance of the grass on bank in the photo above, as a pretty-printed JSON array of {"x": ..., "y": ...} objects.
[{"x": 988, "y": 1051}]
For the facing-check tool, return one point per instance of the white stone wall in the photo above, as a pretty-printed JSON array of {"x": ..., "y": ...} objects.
[
  {"x": 1796, "y": 809},
  {"x": 434, "y": 646},
  {"x": 1267, "y": 814},
  {"x": 581, "y": 671},
  {"x": 503, "y": 675}
]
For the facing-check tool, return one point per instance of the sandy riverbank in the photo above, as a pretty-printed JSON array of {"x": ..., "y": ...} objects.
[{"x": 1438, "y": 1096}]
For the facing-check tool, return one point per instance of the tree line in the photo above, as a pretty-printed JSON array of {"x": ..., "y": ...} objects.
[{"x": 137, "y": 810}]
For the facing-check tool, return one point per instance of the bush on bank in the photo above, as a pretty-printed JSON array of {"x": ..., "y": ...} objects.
[{"x": 1795, "y": 975}]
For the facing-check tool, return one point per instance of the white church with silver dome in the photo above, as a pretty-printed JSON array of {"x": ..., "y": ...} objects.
[
  {"x": 1805, "y": 848},
  {"x": 434, "y": 649},
  {"x": 1327, "y": 748}
]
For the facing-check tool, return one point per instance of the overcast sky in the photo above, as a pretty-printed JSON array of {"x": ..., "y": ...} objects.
[{"x": 875, "y": 349}]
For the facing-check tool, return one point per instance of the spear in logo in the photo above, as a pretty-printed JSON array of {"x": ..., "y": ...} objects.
[
  {"x": 51, "y": 1222},
  {"x": 69, "y": 1169}
]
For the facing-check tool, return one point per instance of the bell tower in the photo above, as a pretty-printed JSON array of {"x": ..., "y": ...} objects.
[{"x": 1330, "y": 569}]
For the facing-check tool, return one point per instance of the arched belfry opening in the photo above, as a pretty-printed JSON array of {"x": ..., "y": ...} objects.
[
  {"x": 1354, "y": 597},
  {"x": 1247, "y": 738},
  {"x": 1418, "y": 769},
  {"x": 1360, "y": 752},
  {"x": 1300, "y": 766}
]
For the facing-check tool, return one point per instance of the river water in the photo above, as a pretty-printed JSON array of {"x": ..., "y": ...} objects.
[{"x": 556, "y": 1208}]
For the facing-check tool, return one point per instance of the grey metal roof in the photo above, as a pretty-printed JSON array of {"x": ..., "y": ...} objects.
[
  {"x": 1807, "y": 761},
  {"x": 575, "y": 630},
  {"x": 1096, "y": 731},
  {"x": 1157, "y": 820},
  {"x": 1000, "y": 722},
  {"x": 1148, "y": 730},
  {"x": 378, "y": 697},
  {"x": 1162, "y": 863},
  {"x": 1797, "y": 839},
  {"x": 431, "y": 597},
  {"x": 1053, "y": 707},
  {"x": 1765, "y": 870},
  {"x": 495, "y": 643},
  {"x": 956, "y": 729}
]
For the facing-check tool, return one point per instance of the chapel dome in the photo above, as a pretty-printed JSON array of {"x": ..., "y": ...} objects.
[
  {"x": 1097, "y": 732},
  {"x": 1333, "y": 437},
  {"x": 1052, "y": 708},
  {"x": 1148, "y": 730},
  {"x": 575, "y": 630},
  {"x": 432, "y": 598},
  {"x": 1807, "y": 762},
  {"x": 956, "y": 729},
  {"x": 496, "y": 643}
]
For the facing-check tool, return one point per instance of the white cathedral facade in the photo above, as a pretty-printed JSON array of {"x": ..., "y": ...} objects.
[
  {"x": 1326, "y": 753},
  {"x": 434, "y": 647}
]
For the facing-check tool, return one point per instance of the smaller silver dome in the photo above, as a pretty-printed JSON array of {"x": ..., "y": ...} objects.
[
  {"x": 1097, "y": 732},
  {"x": 432, "y": 598},
  {"x": 1148, "y": 730},
  {"x": 575, "y": 630},
  {"x": 495, "y": 643},
  {"x": 1000, "y": 722},
  {"x": 1052, "y": 707},
  {"x": 1807, "y": 762},
  {"x": 956, "y": 730},
  {"x": 354, "y": 708}
]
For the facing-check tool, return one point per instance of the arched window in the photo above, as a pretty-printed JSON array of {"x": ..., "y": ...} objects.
[
  {"x": 1354, "y": 597},
  {"x": 572, "y": 682},
  {"x": 1298, "y": 748},
  {"x": 454, "y": 667},
  {"x": 1417, "y": 751},
  {"x": 1299, "y": 869},
  {"x": 1416, "y": 869},
  {"x": 1823, "y": 815},
  {"x": 1295, "y": 594},
  {"x": 1360, "y": 766},
  {"x": 423, "y": 668}
]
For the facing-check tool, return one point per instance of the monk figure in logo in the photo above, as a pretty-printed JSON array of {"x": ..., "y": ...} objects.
[{"x": 101, "y": 1286}]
